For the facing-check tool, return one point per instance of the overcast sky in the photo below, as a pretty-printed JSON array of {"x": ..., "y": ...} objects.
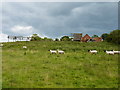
[{"x": 54, "y": 20}]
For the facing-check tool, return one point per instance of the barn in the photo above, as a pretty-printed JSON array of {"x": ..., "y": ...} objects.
[
  {"x": 85, "y": 38},
  {"x": 97, "y": 39}
]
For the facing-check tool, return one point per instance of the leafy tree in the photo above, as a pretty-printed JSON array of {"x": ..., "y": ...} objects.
[
  {"x": 8, "y": 38},
  {"x": 56, "y": 39},
  {"x": 104, "y": 36},
  {"x": 50, "y": 39},
  {"x": 65, "y": 38},
  {"x": 94, "y": 36},
  {"x": 47, "y": 39},
  {"x": 114, "y": 37},
  {"x": 35, "y": 37},
  {"x": 108, "y": 38}
]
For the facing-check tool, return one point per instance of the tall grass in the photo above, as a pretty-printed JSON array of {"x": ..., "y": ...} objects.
[{"x": 77, "y": 68}]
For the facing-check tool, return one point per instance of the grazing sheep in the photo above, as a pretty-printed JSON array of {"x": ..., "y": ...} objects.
[
  {"x": 110, "y": 52},
  {"x": 1, "y": 45},
  {"x": 93, "y": 51},
  {"x": 116, "y": 52},
  {"x": 53, "y": 51},
  {"x": 60, "y": 52},
  {"x": 25, "y": 47}
]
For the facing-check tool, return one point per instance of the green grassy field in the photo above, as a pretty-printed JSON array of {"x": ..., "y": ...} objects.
[{"x": 77, "y": 68}]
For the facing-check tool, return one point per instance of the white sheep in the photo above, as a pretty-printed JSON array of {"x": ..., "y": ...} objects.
[
  {"x": 60, "y": 52},
  {"x": 53, "y": 51},
  {"x": 1, "y": 45},
  {"x": 110, "y": 52},
  {"x": 25, "y": 47},
  {"x": 93, "y": 51},
  {"x": 116, "y": 52}
]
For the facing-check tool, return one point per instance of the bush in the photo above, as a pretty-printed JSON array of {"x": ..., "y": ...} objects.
[
  {"x": 104, "y": 36},
  {"x": 35, "y": 37},
  {"x": 114, "y": 37},
  {"x": 47, "y": 39},
  {"x": 94, "y": 36},
  {"x": 56, "y": 39},
  {"x": 65, "y": 38}
]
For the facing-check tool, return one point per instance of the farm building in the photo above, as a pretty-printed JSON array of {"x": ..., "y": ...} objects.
[
  {"x": 77, "y": 36},
  {"x": 18, "y": 38},
  {"x": 97, "y": 39},
  {"x": 85, "y": 38}
]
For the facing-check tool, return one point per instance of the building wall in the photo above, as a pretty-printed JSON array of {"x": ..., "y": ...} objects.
[
  {"x": 85, "y": 38},
  {"x": 77, "y": 36},
  {"x": 97, "y": 39}
]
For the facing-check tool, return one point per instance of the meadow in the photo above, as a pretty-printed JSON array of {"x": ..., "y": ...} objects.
[{"x": 36, "y": 67}]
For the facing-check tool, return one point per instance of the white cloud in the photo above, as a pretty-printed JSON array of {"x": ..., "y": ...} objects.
[
  {"x": 3, "y": 37},
  {"x": 77, "y": 10},
  {"x": 24, "y": 30}
]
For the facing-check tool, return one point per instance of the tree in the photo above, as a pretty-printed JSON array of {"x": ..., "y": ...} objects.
[
  {"x": 94, "y": 36},
  {"x": 35, "y": 37},
  {"x": 50, "y": 39},
  {"x": 56, "y": 39},
  {"x": 47, "y": 39},
  {"x": 65, "y": 38},
  {"x": 14, "y": 38},
  {"x": 104, "y": 36},
  {"x": 114, "y": 37},
  {"x": 8, "y": 38}
]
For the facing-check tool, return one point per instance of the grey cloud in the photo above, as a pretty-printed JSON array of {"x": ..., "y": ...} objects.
[{"x": 57, "y": 19}]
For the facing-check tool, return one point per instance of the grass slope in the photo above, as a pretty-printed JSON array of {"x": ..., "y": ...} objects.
[{"x": 75, "y": 69}]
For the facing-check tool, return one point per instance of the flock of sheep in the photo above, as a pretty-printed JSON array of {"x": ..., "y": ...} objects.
[
  {"x": 55, "y": 51},
  {"x": 63, "y": 52},
  {"x": 107, "y": 52},
  {"x": 51, "y": 51},
  {"x": 91, "y": 51}
]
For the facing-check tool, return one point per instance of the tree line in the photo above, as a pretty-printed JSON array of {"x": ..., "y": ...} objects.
[
  {"x": 35, "y": 37},
  {"x": 113, "y": 37}
]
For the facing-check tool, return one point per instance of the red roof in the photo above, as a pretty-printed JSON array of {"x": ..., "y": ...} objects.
[
  {"x": 97, "y": 39},
  {"x": 85, "y": 38}
]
